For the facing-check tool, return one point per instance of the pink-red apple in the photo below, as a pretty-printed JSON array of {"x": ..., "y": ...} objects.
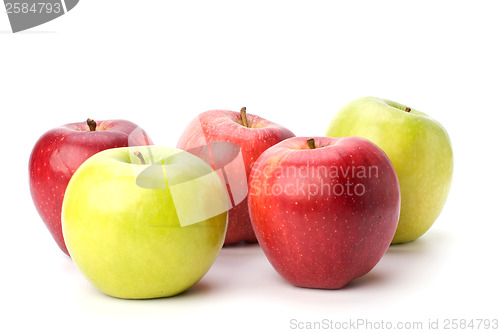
[
  {"x": 60, "y": 151},
  {"x": 325, "y": 209},
  {"x": 249, "y": 135}
]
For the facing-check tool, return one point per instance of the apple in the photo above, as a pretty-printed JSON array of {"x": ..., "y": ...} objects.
[
  {"x": 144, "y": 222},
  {"x": 60, "y": 151},
  {"x": 324, "y": 209},
  {"x": 418, "y": 147},
  {"x": 250, "y": 136}
]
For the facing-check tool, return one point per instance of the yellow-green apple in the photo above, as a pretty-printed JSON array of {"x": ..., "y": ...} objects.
[
  {"x": 59, "y": 152},
  {"x": 144, "y": 222},
  {"x": 250, "y": 135},
  {"x": 324, "y": 209},
  {"x": 419, "y": 148}
]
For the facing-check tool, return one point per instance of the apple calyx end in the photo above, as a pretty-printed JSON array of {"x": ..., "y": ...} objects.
[
  {"x": 408, "y": 109},
  {"x": 91, "y": 124},
  {"x": 243, "y": 114},
  {"x": 311, "y": 144},
  {"x": 140, "y": 157}
]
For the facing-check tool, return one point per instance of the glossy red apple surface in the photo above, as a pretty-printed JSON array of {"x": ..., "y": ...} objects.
[
  {"x": 324, "y": 210},
  {"x": 60, "y": 151},
  {"x": 249, "y": 135}
]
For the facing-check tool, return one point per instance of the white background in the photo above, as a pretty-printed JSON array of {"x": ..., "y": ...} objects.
[{"x": 160, "y": 63}]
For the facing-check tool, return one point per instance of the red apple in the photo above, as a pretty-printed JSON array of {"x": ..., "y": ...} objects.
[
  {"x": 60, "y": 151},
  {"x": 325, "y": 209},
  {"x": 249, "y": 135}
]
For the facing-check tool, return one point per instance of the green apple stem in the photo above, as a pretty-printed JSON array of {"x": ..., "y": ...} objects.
[
  {"x": 243, "y": 113},
  {"x": 408, "y": 109},
  {"x": 91, "y": 124},
  {"x": 310, "y": 143},
  {"x": 140, "y": 157}
]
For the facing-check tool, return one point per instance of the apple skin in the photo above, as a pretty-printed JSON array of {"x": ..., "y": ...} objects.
[
  {"x": 126, "y": 239},
  {"x": 227, "y": 126},
  {"x": 59, "y": 152},
  {"x": 316, "y": 230},
  {"x": 418, "y": 147}
]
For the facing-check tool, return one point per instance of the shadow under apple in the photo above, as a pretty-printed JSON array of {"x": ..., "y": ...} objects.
[{"x": 414, "y": 263}]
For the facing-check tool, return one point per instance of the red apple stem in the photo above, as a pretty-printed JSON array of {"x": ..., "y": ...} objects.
[
  {"x": 243, "y": 113},
  {"x": 310, "y": 143},
  {"x": 140, "y": 157},
  {"x": 408, "y": 109},
  {"x": 91, "y": 124}
]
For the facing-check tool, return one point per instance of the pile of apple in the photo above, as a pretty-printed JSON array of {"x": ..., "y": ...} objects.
[{"x": 145, "y": 221}]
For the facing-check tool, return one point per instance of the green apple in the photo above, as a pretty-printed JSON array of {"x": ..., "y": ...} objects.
[
  {"x": 418, "y": 147},
  {"x": 144, "y": 222}
]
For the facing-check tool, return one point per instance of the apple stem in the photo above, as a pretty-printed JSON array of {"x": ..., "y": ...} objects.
[
  {"x": 408, "y": 109},
  {"x": 310, "y": 143},
  {"x": 91, "y": 124},
  {"x": 139, "y": 155},
  {"x": 243, "y": 113}
]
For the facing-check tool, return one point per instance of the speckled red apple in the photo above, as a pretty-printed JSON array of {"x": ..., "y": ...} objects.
[
  {"x": 325, "y": 209},
  {"x": 253, "y": 135},
  {"x": 60, "y": 151}
]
